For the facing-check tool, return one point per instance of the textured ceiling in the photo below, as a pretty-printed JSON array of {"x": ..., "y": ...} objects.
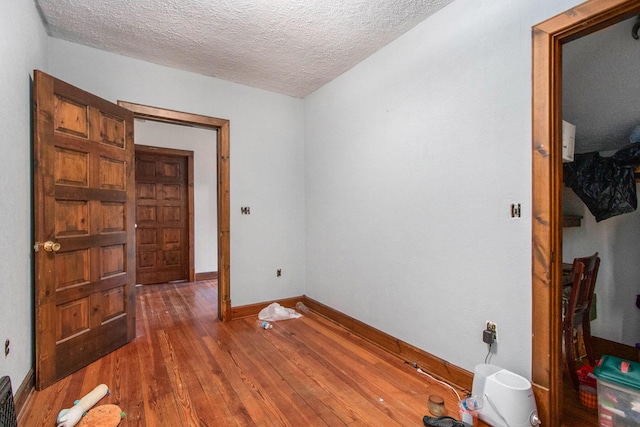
[
  {"x": 601, "y": 94},
  {"x": 286, "y": 46}
]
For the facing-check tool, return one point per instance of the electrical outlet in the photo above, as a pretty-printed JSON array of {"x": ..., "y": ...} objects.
[{"x": 493, "y": 327}]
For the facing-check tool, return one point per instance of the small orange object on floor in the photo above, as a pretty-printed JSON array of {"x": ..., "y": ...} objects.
[{"x": 102, "y": 416}]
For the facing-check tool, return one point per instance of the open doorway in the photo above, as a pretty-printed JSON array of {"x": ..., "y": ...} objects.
[
  {"x": 548, "y": 38},
  {"x": 171, "y": 139},
  {"x": 221, "y": 165},
  {"x": 600, "y": 97}
]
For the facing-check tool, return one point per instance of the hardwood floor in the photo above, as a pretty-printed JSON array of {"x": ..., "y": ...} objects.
[
  {"x": 575, "y": 413},
  {"x": 187, "y": 369}
]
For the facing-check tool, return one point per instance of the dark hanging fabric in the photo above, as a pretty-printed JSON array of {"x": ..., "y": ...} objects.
[{"x": 605, "y": 184}]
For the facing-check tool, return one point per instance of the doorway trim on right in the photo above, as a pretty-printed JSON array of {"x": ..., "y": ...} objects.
[
  {"x": 224, "y": 209},
  {"x": 548, "y": 38}
]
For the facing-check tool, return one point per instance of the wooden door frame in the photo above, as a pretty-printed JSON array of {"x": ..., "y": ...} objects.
[
  {"x": 188, "y": 156},
  {"x": 224, "y": 211},
  {"x": 548, "y": 38}
]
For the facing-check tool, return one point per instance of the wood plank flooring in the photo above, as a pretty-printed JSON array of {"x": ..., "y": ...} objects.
[
  {"x": 575, "y": 414},
  {"x": 185, "y": 368}
]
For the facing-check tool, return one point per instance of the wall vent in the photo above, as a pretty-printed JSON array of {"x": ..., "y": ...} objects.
[{"x": 7, "y": 407}]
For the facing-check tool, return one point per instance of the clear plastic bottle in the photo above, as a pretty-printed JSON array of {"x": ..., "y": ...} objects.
[
  {"x": 263, "y": 324},
  {"x": 301, "y": 307}
]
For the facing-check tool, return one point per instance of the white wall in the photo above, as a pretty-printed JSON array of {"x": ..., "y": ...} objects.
[
  {"x": 203, "y": 144},
  {"x": 267, "y": 170},
  {"x": 413, "y": 158},
  {"x": 23, "y": 44},
  {"x": 617, "y": 241}
]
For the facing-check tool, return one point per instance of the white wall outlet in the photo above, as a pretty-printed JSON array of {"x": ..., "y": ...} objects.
[{"x": 492, "y": 326}]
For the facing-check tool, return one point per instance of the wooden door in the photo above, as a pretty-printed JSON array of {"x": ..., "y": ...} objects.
[
  {"x": 162, "y": 214},
  {"x": 84, "y": 228}
]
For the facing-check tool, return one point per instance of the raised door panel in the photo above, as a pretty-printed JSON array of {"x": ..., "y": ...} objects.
[
  {"x": 84, "y": 201},
  {"x": 162, "y": 217}
]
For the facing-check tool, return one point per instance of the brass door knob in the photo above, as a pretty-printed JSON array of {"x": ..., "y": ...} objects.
[{"x": 51, "y": 246}]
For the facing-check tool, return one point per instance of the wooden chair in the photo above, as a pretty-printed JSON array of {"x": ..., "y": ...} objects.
[{"x": 578, "y": 312}]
